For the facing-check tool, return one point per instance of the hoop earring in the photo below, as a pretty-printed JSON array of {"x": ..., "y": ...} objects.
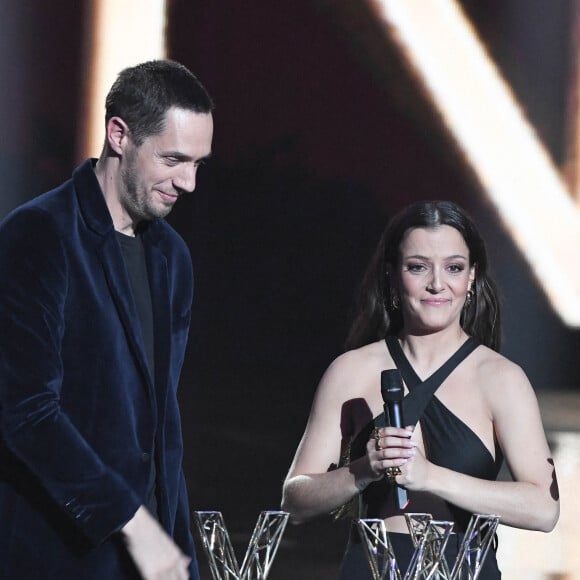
[
  {"x": 469, "y": 298},
  {"x": 395, "y": 303}
]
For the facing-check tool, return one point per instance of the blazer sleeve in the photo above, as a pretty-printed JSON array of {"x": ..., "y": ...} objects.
[{"x": 33, "y": 290}]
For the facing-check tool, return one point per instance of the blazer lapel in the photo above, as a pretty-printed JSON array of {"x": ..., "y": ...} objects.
[
  {"x": 159, "y": 287},
  {"x": 96, "y": 214}
]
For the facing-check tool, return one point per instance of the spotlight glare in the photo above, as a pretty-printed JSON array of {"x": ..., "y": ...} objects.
[
  {"x": 123, "y": 34},
  {"x": 484, "y": 118}
]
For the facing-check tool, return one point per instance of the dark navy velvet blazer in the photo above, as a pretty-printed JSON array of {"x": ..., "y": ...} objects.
[{"x": 80, "y": 414}]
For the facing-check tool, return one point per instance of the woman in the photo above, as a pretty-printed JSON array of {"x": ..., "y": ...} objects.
[{"x": 429, "y": 308}]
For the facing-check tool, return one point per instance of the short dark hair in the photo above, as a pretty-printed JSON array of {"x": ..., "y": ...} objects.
[
  {"x": 143, "y": 94},
  {"x": 375, "y": 315}
]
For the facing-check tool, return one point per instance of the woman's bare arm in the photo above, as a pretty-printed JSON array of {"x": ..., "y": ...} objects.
[{"x": 531, "y": 500}]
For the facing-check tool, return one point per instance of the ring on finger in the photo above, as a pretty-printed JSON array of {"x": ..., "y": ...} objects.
[
  {"x": 377, "y": 439},
  {"x": 391, "y": 473}
]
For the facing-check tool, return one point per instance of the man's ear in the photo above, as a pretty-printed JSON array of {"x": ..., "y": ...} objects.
[{"x": 117, "y": 134}]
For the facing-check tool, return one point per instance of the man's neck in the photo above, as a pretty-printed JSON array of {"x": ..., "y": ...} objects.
[{"x": 108, "y": 174}]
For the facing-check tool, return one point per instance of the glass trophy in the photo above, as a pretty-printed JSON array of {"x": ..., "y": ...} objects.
[
  {"x": 260, "y": 553},
  {"x": 378, "y": 549},
  {"x": 475, "y": 546},
  {"x": 429, "y": 539}
]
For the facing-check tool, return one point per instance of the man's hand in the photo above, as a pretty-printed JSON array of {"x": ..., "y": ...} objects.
[{"x": 155, "y": 554}]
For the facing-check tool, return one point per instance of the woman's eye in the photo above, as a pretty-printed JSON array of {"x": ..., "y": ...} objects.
[
  {"x": 455, "y": 268},
  {"x": 415, "y": 267}
]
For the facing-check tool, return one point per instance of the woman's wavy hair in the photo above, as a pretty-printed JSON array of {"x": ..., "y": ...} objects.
[{"x": 375, "y": 312}]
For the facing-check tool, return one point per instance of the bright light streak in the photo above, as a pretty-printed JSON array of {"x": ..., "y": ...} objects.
[
  {"x": 572, "y": 162},
  {"x": 124, "y": 33},
  {"x": 481, "y": 113}
]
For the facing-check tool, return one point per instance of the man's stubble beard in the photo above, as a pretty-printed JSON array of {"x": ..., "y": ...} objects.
[{"x": 135, "y": 200}]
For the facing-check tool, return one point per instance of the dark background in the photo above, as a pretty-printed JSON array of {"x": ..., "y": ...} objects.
[{"x": 321, "y": 135}]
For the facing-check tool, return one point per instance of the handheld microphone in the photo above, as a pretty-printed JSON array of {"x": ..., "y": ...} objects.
[{"x": 393, "y": 392}]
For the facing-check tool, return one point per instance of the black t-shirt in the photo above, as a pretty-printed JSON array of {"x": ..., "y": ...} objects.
[{"x": 134, "y": 256}]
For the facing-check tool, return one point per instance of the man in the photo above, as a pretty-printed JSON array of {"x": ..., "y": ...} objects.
[{"x": 95, "y": 301}]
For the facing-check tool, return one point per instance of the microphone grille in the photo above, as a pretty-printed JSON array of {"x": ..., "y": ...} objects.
[{"x": 392, "y": 386}]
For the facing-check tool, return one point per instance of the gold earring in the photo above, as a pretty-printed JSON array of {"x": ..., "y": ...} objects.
[
  {"x": 469, "y": 297},
  {"x": 395, "y": 303}
]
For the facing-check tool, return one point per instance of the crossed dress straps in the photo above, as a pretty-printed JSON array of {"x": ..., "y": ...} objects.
[{"x": 421, "y": 392}]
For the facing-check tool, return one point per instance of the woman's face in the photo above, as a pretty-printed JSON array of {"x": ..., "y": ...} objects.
[{"x": 433, "y": 278}]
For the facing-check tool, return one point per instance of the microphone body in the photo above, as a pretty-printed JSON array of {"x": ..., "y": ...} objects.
[{"x": 393, "y": 392}]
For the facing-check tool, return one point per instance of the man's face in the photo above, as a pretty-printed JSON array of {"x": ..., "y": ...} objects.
[{"x": 164, "y": 166}]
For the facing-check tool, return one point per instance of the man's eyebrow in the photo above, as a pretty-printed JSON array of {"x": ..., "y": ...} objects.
[
  {"x": 177, "y": 155},
  {"x": 183, "y": 157}
]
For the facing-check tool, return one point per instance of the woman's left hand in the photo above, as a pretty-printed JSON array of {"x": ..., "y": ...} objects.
[{"x": 413, "y": 472}]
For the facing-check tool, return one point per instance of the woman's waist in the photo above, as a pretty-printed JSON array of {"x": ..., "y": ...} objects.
[{"x": 384, "y": 506}]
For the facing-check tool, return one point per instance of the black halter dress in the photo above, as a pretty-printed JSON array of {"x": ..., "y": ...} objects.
[{"x": 449, "y": 442}]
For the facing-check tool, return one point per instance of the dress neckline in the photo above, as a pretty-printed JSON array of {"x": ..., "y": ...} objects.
[
  {"x": 421, "y": 392},
  {"x": 410, "y": 376}
]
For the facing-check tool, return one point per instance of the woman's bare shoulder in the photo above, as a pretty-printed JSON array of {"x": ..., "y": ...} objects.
[
  {"x": 356, "y": 367},
  {"x": 498, "y": 374},
  {"x": 491, "y": 361},
  {"x": 366, "y": 358}
]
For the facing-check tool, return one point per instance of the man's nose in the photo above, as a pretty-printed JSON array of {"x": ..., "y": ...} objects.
[{"x": 185, "y": 179}]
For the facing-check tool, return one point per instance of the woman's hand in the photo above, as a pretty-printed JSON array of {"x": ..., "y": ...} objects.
[{"x": 389, "y": 450}]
